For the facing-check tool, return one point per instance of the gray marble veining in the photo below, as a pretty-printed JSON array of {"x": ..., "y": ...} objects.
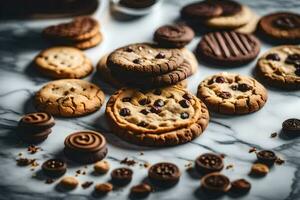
[{"x": 21, "y": 40}]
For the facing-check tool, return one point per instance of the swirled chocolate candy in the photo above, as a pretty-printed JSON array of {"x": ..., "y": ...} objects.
[
  {"x": 209, "y": 162},
  {"x": 54, "y": 167},
  {"x": 266, "y": 157},
  {"x": 121, "y": 176},
  {"x": 215, "y": 183},
  {"x": 35, "y": 127},
  {"x": 164, "y": 174},
  {"x": 291, "y": 126},
  {"x": 85, "y": 147}
]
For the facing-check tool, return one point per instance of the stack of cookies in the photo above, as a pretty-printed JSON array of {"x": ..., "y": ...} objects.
[
  {"x": 225, "y": 14},
  {"x": 82, "y": 33},
  {"x": 147, "y": 66}
]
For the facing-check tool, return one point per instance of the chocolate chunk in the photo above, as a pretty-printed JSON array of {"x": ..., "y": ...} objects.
[
  {"x": 144, "y": 101},
  {"x": 184, "y": 115},
  {"x": 224, "y": 95},
  {"x": 121, "y": 176},
  {"x": 293, "y": 59},
  {"x": 215, "y": 183},
  {"x": 184, "y": 103},
  {"x": 144, "y": 111},
  {"x": 240, "y": 186},
  {"x": 137, "y": 61},
  {"x": 126, "y": 99},
  {"x": 141, "y": 190},
  {"x": 209, "y": 162},
  {"x": 187, "y": 96},
  {"x": 243, "y": 87},
  {"x": 125, "y": 112},
  {"x": 155, "y": 110},
  {"x": 297, "y": 72},
  {"x": 273, "y": 56},
  {"x": 291, "y": 126},
  {"x": 129, "y": 49},
  {"x": 234, "y": 87},
  {"x": 220, "y": 79},
  {"x": 160, "y": 55},
  {"x": 266, "y": 157},
  {"x": 143, "y": 124},
  {"x": 86, "y": 184},
  {"x": 159, "y": 103},
  {"x": 164, "y": 174},
  {"x": 54, "y": 167}
]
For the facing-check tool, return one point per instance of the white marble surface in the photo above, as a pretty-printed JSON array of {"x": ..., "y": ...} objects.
[{"x": 20, "y": 41}]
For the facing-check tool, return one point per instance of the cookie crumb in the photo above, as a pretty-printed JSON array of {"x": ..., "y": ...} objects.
[
  {"x": 273, "y": 135},
  {"x": 128, "y": 162},
  {"x": 222, "y": 155},
  {"x": 252, "y": 149},
  {"x": 141, "y": 153},
  {"x": 49, "y": 181},
  {"x": 188, "y": 165},
  {"x": 20, "y": 154},
  {"x": 279, "y": 161},
  {"x": 86, "y": 184},
  {"x": 230, "y": 166},
  {"x": 146, "y": 165}
]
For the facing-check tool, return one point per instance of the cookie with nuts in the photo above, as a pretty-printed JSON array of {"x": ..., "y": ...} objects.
[
  {"x": 232, "y": 94},
  {"x": 156, "y": 117}
]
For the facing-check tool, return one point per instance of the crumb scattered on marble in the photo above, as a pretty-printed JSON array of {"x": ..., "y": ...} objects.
[
  {"x": 230, "y": 166},
  {"x": 252, "y": 149},
  {"x": 279, "y": 161},
  {"x": 128, "y": 162},
  {"x": 273, "y": 135},
  {"x": 86, "y": 184},
  {"x": 32, "y": 149}
]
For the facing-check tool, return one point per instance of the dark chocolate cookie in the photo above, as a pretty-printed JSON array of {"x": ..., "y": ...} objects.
[
  {"x": 281, "y": 27},
  {"x": 201, "y": 10},
  {"x": 228, "y": 48},
  {"x": 121, "y": 176},
  {"x": 164, "y": 174},
  {"x": 266, "y": 157},
  {"x": 54, "y": 167},
  {"x": 209, "y": 162},
  {"x": 176, "y": 36},
  {"x": 85, "y": 147},
  {"x": 291, "y": 127},
  {"x": 141, "y": 190},
  {"x": 215, "y": 183},
  {"x": 228, "y": 7},
  {"x": 240, "y": 186},
  {"x": 145, "y": 59}
]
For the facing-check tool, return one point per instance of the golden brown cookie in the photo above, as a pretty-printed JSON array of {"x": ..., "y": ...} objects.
[
  {"x": 232, "y": 94},
  {"x": 63, "y": 62},
  {"x": 158, "y": 117},
  {"x": 250, "y": 27},
  {"x": 280, "y": 67},
  {"x": 69, "y": 98},
  {"x": 89, "y": 43}
]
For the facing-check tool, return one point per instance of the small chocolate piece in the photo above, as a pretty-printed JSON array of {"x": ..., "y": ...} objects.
[
  {"x": 155, "y": 109},
  {"x": 243, "y": 87},
  {"x": 266, "y": 157},
  {"x": 215, "y": 183},
  {"x": 143, "y": 124},
  {"x": 144, "y": 111},
  {"x": 85, "y": 146},
  {"x": 259, "y": 169},
  {"x": 240, "y": 186},
  {"x": 125, "y": 112},
  {"x": 101, "y": 167},
  {"x": 54, "y": 167},
  {"x": 141, "y": 190},
  {"x": 220, "y": 79},
  {"x": 273, "y": 56},
  {"x": 126, "y": 99},
  {"x": 69, "y": 182},
  {"x": 164, "y": 174},
  {"x": 209, "y": 162},
  {"x": 184, "y": 115},
  {"x": 121, "y": 176},
  {"x": 187, "y": 96},
  {"x": 224, "y": 95},
  {"x": 184, "y": 103},
  {"x": 159, "y": 103},
  {"x": 86, "y": 184},
  {"x": 103, "y": 188},
  {"x": 144, "y": 101},
  {"x": 291, "y": 126},
  {"x": 293, "y": 59},
  {"x": 157, "y": 92},
  {"x": 137, "y": 61},
  {"x": 160, "y": 56}
]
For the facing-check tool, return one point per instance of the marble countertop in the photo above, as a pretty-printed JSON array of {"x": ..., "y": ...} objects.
[{"x": 20, "y": 41}]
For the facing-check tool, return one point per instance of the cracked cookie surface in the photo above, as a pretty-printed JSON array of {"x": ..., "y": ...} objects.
[
  {"x": 69, "y": 98},
  {"x": 145, "y": 59},
  {"x": 63, "y": 62},
  {"x": 158, "y": 117},
  {"x": 229, "y": 93},
  {"x": 280, "y": 67}
]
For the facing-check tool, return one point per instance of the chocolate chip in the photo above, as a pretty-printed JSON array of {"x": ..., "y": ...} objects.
[
  {"x": 273, "y": 56},
  {"x": 266, "y": 157},
  {"x": 187, "y": 96},
  {"x": 160, "y": 55},
  {"x": 220, "y": 79},
  {"x": 244, "y": 87},
  {"x": 125, "y": 112},
  {"x": 293, "y": 59},
  {"x": 184, "y": 103},
  {"x": 157, "y": 92},
  {"x": 144, "y": 101},
  {"x": 234, "y": 87},
  {"x": 184, "y": 115},
  {"x": 159, "y": 103},
  {"x": 126, "y": 99},
  {"x": 155, "y": 109},
  {"x": 224, "y": 95},
  {"x": 143, "y": 124},
  {"x": 129, "y": 49},
  {"x": 144, "y": 111},
  {"x": 137, "y": 61}
]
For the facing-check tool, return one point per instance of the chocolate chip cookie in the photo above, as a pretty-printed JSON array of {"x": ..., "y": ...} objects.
[
  {"x": 232, "y": 94},
  {"x": 228, "y": 48},
  {"x": 281, "y": 27},
  {"x": 157, "y": 117},
  {"x": 144, "y": 59},
  {"x": 69, "y": 98},
  {"x": 174, "y": 36},
  {"x": 89, "y": 43},
  {"x": 63, "y": 62},
  {"x": 280, "y": 67}
]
